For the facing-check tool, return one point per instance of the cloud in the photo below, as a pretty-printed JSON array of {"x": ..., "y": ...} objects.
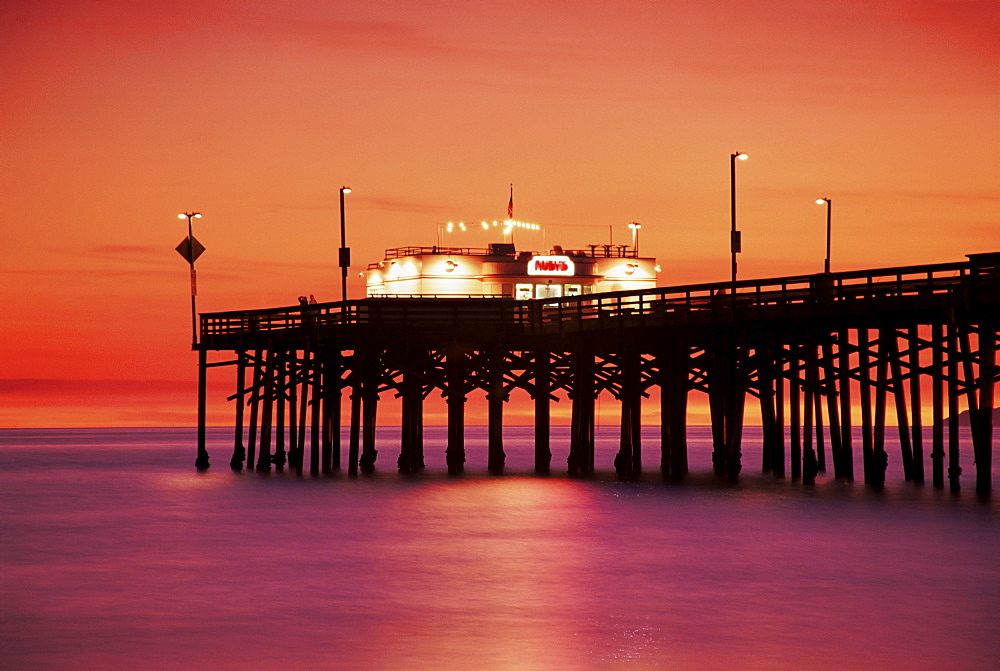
[{"x": 30, "y": 387}]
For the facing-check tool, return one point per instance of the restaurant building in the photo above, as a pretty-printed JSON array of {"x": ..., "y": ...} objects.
[{"x": 502, "y": 271}]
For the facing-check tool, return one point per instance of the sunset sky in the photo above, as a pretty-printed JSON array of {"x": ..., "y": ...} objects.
[{"x": 116, "y": 115}]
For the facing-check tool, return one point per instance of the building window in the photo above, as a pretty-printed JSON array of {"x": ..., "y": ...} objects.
[
  {"x": 548, "y": 290},
  {"x": 523, "y": 292}
]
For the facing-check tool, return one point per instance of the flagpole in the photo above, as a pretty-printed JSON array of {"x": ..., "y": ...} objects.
[{"x": 510, "y": 213}]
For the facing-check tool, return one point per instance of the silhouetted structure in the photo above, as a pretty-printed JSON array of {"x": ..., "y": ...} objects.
[{"x": 806, "y": 348}]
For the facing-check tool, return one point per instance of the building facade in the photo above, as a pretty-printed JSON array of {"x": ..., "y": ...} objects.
[{"x": 502, "y": 271}]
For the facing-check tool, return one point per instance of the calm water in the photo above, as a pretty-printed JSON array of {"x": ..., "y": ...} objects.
[{"x": 116, "y": 554}]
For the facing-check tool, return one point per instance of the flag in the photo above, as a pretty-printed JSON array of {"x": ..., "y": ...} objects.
[{"x": 510, "y": 204}]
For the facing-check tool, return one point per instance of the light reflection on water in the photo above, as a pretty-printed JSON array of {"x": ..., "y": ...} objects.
[{"x": 116, "y": 554}]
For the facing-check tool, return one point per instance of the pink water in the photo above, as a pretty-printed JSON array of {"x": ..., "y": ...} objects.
[{"x": 116, "y": 554}]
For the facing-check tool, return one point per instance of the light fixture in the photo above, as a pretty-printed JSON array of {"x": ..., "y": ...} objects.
[
  {"x": 829, "y": 216},
  {"x": 344, "y": 252},
  {"x": 735, "y": 239},
  {"x": 635, "y": 226}
]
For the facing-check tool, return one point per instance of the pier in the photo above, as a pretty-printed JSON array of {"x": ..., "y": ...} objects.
[{"x": 818, "y": 353}]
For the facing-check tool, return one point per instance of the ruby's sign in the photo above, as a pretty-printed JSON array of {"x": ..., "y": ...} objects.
[{"x": 551, "y": 265}]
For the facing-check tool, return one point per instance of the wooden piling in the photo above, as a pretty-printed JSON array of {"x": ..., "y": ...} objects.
[
  {"x": 880, "y": 460},
  {"x": 583, "y": 395},
  {"x": 267, "y": 412},
  {"x": 201, "y": 462},
  {"x": 794, "y": 420},
  {"x": 315, "y": 413},
  {"x": 983, "y": 427},
  {"x": 938, "y": 376},
  {"x": 239, "y": 449},
  {"x": 674, "y": 367},
  {"x": 279, "y": 458},
  {"x": 330, "y": 415},
  {"x": 844, "y": 394},
  {"x": 765, "y": 389},
  {"x": 628, "y": 461},
  {"x": 778, "y": 454},
  {"x": 495, "y": 398},
  {"x": 954, "y": 467},
  {"x": 865, "y": 399},
  {"x": 542, "y": 398},
  {"x": 810, "y": 464},
  {"x": 916, "y": 421},
  {"x": 370, "y": 397},
  {"x": 830, "y": 381},
  {"x": 455, "y": 371},
  {"x": 411, "y": 449},
  {"x": 899, "y": 387},
  {"x": 255, "y": 396}
]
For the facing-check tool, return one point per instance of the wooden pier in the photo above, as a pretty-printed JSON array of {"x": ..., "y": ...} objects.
[{"x": 818, "y": 353}]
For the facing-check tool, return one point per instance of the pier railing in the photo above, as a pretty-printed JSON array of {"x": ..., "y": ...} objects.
[
  {"x": 438, "y": 314},
  {"x": 771, "y": 298},
  {"x": 882, "y": 288}
]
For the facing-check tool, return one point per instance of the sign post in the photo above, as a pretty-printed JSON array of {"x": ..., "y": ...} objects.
[{"x": 191, "y": 249}]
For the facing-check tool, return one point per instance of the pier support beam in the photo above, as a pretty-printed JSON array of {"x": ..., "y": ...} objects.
[
  {"x": 267, "y": 413},
  {"x": 954, "y": 467},
  {"x": 201, "y": 462},
  {"x": 770, "y": 443},
  {"x": 937, "y": 404},
  {"x": 984, "y": 423},
  {"x": 411, "y": 452},
  {"x": 239, "y": 449},
  {"x": 830, "y": 380},
  {"x": 916, "y": 420},
  {"x": 455, "y": 372},
  {"x": 726, "y": 398},
  {"x": 844, "y": 394},
  {"x": 314, "y": 391},
  {"x": 280, "y": 393},
  {"x": 675, "y": 364},
  {"x": 495, "y": 398},
  {"x": 628, "y": 461},
  {"x": 330, "y": 398},
  {"x": 581, "y": 443},
  {"x": 542, "y": 393}
]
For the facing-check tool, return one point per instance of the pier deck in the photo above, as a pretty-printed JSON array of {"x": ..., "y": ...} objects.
[{"x": 817, "y": 352}]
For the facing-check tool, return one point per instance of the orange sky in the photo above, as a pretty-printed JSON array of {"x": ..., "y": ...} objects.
[{"x": 115, "y": 116}]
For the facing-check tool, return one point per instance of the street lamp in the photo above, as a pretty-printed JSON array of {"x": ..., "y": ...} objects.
[
  {"x": 191, "y": 251},
  {"x": 635, "y": 226},
  {"x": 345, "y": 251},
  {"x": 735, "y": 244},
  {"x": 829, "y": 207}
]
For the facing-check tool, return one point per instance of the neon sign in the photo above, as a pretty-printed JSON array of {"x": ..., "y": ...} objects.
[{"x": 551, "y": 265}]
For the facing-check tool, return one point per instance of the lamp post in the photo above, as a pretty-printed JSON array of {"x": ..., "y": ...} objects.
[
  {"x": 191, "y": 255},
  {"x": 829, "y": 207},
  {"x": 345, "y": 251},
  {"x": 635, "y": 226},
  {"x": 735, "y": 243}
]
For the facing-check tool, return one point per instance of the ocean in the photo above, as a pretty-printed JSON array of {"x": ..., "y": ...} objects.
[{"x": 116, "y": 554}]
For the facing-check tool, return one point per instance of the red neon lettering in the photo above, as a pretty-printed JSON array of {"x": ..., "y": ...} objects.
[{"x": 551, "y": 266}]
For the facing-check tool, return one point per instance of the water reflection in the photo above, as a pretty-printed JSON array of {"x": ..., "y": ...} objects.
[{"x": 485, "y": 572}]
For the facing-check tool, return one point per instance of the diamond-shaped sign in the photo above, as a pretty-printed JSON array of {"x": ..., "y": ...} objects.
[{"x": 190, "y": 249}]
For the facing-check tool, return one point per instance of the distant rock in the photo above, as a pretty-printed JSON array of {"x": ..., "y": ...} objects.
[{"x": 963, "y": 418}]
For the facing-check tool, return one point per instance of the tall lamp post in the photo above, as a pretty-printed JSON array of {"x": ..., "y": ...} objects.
[
  {"x": 191, "y": 249},
  {"x": 829, "y": 207},
  {"x": 635, "y": 226},
  {"x": 345, "y": 251},
  {"x": 735, "y": 243}
]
